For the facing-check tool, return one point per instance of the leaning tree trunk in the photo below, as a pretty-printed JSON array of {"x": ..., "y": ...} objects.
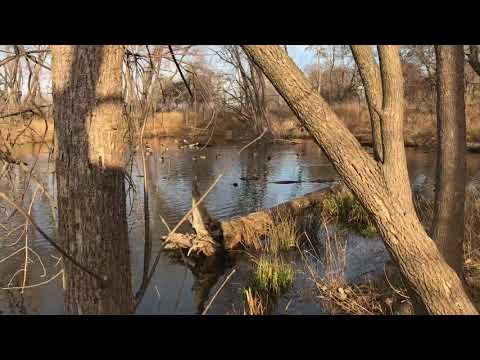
[
  {"x": 90, "y": 133},
  {"x": 448, "y": 219},
  {"x": 419, "y": 260},
  {"x": 370, "y": 74}
]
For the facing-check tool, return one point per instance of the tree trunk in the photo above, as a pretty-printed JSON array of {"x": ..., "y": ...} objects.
[
  {"x": 473, "y": 58},
  {"x": 90, "y": 159},
  {"x": 448, "y": 219},
  {"x": 419, "y": 260},
  {"x": 370, "y": 74}
]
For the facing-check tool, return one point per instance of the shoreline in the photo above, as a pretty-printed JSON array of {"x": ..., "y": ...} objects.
[{"x": 471, "y": 147}]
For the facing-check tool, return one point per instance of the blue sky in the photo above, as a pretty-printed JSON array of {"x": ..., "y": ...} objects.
[{"x": 300, "y": 55}]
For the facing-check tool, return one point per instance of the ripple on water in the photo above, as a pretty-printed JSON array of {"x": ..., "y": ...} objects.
[{"x": 170, "y": 195}]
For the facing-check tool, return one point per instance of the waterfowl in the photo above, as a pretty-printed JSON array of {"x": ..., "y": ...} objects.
[
  {"x": 235, "y": 184},
  {"x": 218, "y": 156},
  {"x": 203, "y": 157},
  {"x": 194, "y": 158}
]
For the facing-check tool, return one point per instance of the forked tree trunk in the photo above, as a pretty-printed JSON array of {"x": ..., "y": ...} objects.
[
  {"x": 90, "y": 133},
  {"x": 448, "y": 216},
  {"x": 419, "y": 260},
  {"x": 370, "y": 74}
]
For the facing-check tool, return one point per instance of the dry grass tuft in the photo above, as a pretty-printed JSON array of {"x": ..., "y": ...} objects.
[
  {"x": 254, "y": 303},
  {"x": 340, "y": 297},
  {"x": 332, "y": 288}
]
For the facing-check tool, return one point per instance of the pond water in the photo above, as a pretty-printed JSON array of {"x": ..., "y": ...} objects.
[{"x": 175, "y": 288}]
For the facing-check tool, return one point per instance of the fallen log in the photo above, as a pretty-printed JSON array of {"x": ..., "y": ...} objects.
[
  {"x": 241, "y": 230},
  {"x": 246, "y": 230}
]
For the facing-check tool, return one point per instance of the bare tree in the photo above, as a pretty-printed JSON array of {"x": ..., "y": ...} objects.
[
  {"x": 90, "y": 159},
  {"x": 448, "y": 219},
  {"x": 248, "y": 89},
  {"x": 381, "y": 187}
]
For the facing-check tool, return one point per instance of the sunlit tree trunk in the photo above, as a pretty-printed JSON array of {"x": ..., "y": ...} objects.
[
  {"x": 90, "y": 158},
  {"x": 448, "y": 219},
  {"x": 381, "y": 187},
  {"x": 370, "y": 74}
]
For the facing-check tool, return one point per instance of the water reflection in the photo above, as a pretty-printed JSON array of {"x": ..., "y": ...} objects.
[{"x": 176, "y": 287}]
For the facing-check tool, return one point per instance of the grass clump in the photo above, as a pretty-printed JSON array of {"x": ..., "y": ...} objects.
[
  {"x": 284, "y": 233},
  {"x": 349, "y": 212},
  {"x": 272, "y": 275}
]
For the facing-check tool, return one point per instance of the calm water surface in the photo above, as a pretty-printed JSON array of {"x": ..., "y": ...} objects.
[{"x": 175, "y": 288}]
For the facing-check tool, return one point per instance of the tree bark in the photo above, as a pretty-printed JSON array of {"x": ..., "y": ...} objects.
[
  {"x": 370, "y": 74},
  {"x": 448, "y": 216},
  {"x": 247, "y": 229},
  {"x": 90, "y": 159},
  {"x": 394, "y": 167},
  {"x": 473, "y": 59},
  {"x": 419, "y": 260}
]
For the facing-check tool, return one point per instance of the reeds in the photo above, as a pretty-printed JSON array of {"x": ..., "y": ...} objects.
[
  {"x": 254, "y": 303},
  {"x": 283, "y": 234},
  {"x": 332, "y": 288}
]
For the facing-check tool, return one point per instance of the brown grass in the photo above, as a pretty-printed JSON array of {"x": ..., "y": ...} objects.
[
  {"x": 254, "y": 303},
  {"x": 332, "y": 288},
  {"x": 28, "y": 130},
  {"x": 419, "y": 127}
]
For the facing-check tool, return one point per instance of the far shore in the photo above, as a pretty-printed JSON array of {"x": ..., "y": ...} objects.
[{"x": 419, "y": 128}]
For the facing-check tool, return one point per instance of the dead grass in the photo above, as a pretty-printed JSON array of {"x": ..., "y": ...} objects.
[
  {"x": 28, "y": 130},
  {"x": 254, "y": 303},
  {"x": 288, "y": 128},
  {"x": 419, "y": 126},
  {"x": 337, "y": 295}
]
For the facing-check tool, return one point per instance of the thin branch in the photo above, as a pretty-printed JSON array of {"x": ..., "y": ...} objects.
[
  {"x": 180, "y": 70},
  {"x": 218, "y": 292},
  {"x": 103, "y": 279}
]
